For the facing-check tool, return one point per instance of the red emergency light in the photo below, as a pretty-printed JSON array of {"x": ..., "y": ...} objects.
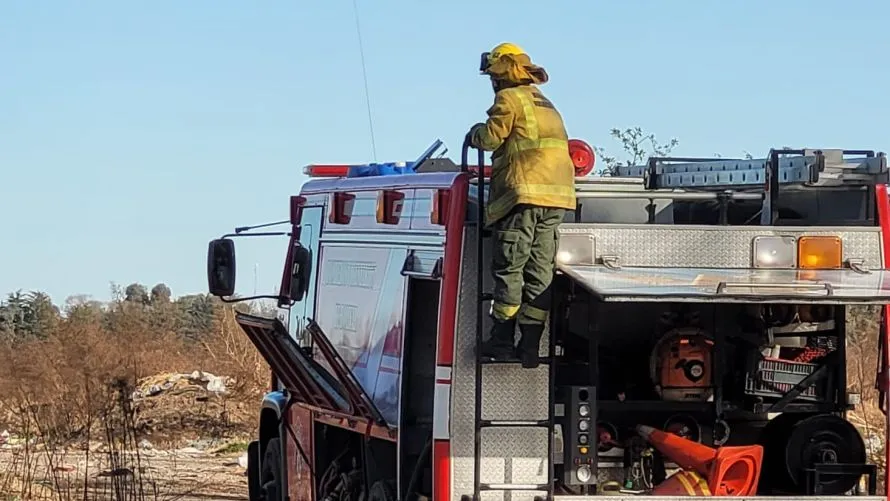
[
  {"x": 441, "y": 204},
  {"x": 583, "y": 157},
  {"x": 319, "y": 170},
  {"x": 341, "y": 207},
  {"x": 389, "y": 206}
]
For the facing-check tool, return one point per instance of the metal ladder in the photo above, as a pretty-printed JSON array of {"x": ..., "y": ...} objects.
[{"x": 479, "y": 422}]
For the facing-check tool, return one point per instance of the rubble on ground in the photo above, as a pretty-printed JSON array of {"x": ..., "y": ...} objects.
[
  {"x": 172, "y": 405},
  {"x": 189, "y": 412},
  {"x": 178, "y": 383}
]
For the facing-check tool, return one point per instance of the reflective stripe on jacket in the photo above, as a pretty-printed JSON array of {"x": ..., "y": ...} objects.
[{"x": 531, "y": 163}]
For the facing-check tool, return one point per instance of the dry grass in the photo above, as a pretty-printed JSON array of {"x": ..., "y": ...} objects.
[
  {"x": 68, "y": 398},
  {"x": 863, "y": 324}
]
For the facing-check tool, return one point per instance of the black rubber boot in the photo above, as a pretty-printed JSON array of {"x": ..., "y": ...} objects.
[
  {"x": 529, "y": 345},
  {"x": 500, "y": 345}
]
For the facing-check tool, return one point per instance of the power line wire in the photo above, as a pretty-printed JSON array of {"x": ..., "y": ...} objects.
[{"x": 361, "y": 50}]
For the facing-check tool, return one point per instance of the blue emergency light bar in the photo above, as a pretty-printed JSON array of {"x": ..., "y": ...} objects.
[
  {"x": 382, "y": 169},
  {"x": 359, "y": 170},
  {"x": 373, "y": 169}
]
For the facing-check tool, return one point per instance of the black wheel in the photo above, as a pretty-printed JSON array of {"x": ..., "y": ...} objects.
[
  {"x": 824, "y": 439},
  {"x": 793, "y": 443},
  {"x": 774, "y": 477},
  {"x": 270, "y": 471},
  {"x": 381, "y": 491}
]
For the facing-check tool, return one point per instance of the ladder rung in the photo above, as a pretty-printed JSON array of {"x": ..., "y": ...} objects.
[
  {"x": 510, "y": 361},
  {"x": 498, "y": 423},
  {"x": 513, "y": 487}
]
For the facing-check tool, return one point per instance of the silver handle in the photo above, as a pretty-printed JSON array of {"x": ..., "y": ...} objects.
[{"x": 825, "y": 286}]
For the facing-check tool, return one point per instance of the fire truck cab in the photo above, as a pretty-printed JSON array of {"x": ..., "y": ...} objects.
[{"x": 696, "y": 343}]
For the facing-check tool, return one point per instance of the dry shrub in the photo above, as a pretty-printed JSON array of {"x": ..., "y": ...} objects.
[
  {"x": 65, "y": 380},
  {"x": 863, "y": 331},
  {"x": 228, "y": 351},
  {"x": 72, "y": 389}
]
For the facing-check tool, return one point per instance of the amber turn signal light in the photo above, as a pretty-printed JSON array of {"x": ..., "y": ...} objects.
[{"x": 819, "y": 252}]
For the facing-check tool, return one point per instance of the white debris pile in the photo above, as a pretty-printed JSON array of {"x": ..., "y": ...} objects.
[
  {"x": 196, "y": 382},
  {"x": 175, "y": 406}
]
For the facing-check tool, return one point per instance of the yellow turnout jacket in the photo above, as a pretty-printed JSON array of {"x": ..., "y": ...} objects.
[{"x": 531, "y": 163}]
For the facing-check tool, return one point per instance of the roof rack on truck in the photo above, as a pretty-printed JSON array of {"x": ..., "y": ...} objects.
[
  {"x": 782, "y": 168},
  {"x": 806, "y": 167}
]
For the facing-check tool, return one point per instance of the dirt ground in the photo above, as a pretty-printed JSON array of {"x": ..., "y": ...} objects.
[
  {"x": 179, "y": 436},
  {"x": 155, "y": 475}
]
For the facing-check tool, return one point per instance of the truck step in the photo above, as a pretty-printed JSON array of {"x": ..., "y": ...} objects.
[
  {"x": 499, "y": 423},
  {"x": 513, "y": 361},
  {"x": 513, "y": 487}
]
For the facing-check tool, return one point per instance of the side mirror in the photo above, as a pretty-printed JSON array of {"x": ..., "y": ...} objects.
[
  {"x": 221, "y": 267},
  {"x": 301, "y": 272}
]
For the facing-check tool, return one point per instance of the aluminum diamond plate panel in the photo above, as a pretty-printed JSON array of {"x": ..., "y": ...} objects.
[
  {"x": 512, "y": 393},
  {"x": 710, "y": 246},
  {"x": 513, "y": 495},
  {"x": 512, "y": 455}
]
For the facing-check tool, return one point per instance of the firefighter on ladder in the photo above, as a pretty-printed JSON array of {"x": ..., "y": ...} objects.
[{"x": 532, "y": 185}]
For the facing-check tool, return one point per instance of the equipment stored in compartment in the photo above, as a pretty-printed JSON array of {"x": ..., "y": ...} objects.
[
  {"x": 680, "y": 365},
  {"x": 795, "y": 446}
]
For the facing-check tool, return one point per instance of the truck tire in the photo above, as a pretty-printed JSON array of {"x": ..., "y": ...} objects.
[
  {"x": 381, "y": 491},
  {"x": 270, "y": 471}
]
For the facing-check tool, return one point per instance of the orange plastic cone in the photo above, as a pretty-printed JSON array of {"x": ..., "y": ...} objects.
[
  {"x": 683, "y": 483},
  {"x": 730, "y": 471}
]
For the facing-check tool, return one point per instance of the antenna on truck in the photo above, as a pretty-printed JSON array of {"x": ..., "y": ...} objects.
[{"x": 361, "y": 51}]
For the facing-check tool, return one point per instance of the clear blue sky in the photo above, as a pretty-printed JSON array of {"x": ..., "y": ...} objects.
[{"x": 133, "y": 132}]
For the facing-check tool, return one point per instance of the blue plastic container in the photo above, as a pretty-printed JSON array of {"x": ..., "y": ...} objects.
[{"x": 382, "y": 169}]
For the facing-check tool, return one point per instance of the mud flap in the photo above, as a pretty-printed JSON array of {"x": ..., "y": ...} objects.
[{"x": 253, "y": 471}]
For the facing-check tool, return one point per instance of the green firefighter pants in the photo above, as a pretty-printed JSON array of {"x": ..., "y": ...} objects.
[{"x": 523, "y": 261}]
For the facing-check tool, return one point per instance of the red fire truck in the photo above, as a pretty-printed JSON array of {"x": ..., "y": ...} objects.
[{"x": 696, "y": 345}]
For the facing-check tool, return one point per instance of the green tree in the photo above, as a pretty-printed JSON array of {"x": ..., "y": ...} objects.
[
  {"x": 195, "y": 315},
  {"x": 12, "y": 315},
  {"x": 83, "y": 308},
  {"x": 42, "y": 316},
  {"x": 137, "y": 294},
  {"x": 637, "y": 147},
  {"x": 29, "y": 315},
  {"x": 163, "y": 311},
  {"x": 160, "y": 294}
]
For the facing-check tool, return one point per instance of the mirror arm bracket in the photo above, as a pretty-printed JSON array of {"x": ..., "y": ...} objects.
[
  {"x": 259, "y": 234},
  {"x": 252, "y": 298}
]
